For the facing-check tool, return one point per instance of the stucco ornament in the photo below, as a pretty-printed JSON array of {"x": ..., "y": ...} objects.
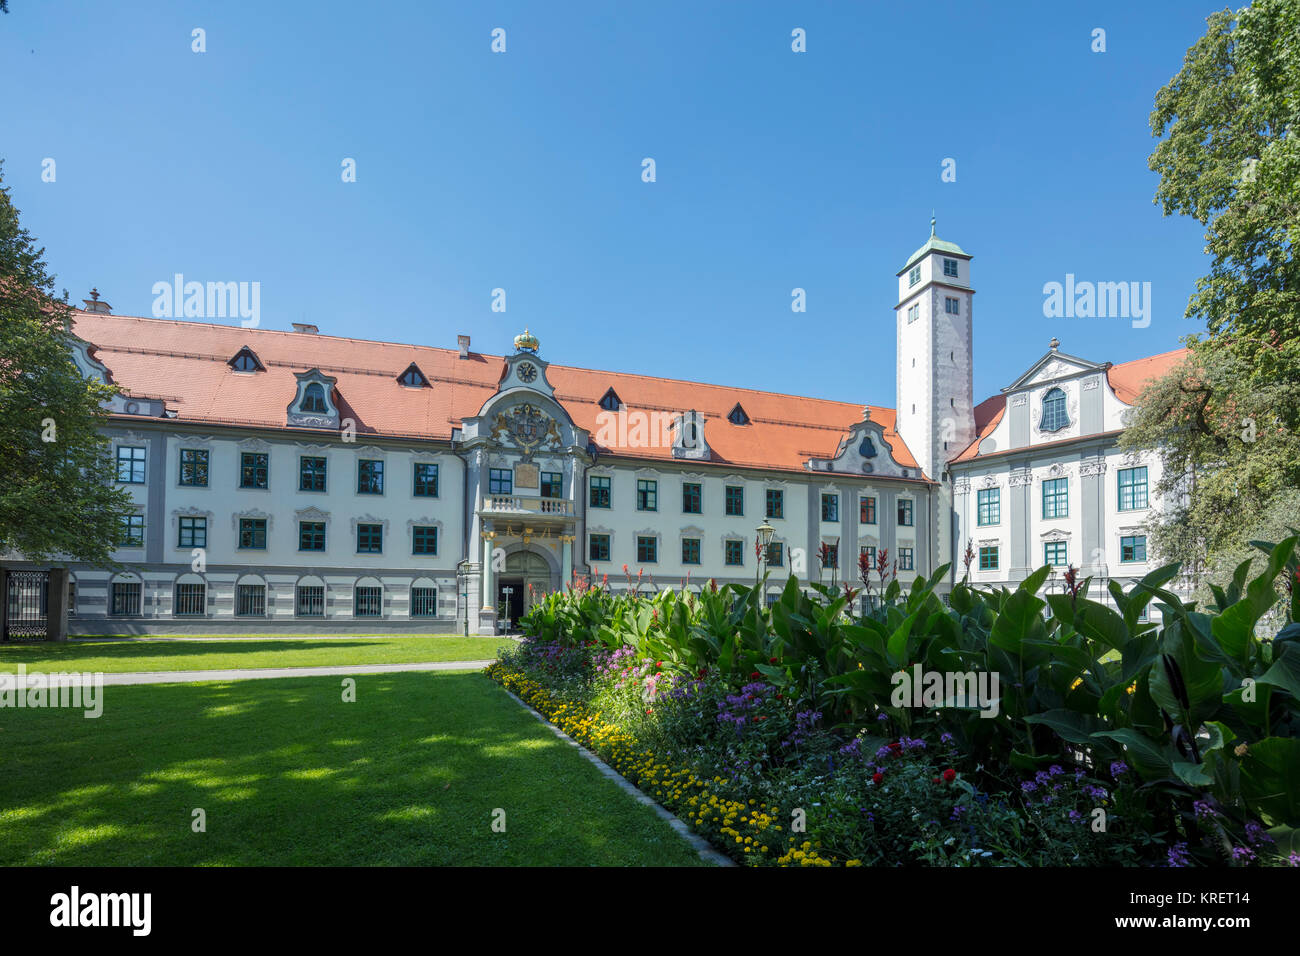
[{"x": 528, "y": 427}]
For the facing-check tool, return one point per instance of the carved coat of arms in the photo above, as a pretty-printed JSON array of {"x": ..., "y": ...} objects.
[{"x": 528, "y": 426}]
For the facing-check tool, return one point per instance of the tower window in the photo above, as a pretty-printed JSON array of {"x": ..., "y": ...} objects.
[
  {"x": 951, "y": 305},
  {"x": 914, "y": 276},
  {"x": 1055, "y": 416},
  {"x": 913, "y": 312},
  {"x": 950, "y": 267}
]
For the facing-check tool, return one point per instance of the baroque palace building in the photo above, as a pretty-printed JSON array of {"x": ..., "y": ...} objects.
[{"x": 293, "y": 481}]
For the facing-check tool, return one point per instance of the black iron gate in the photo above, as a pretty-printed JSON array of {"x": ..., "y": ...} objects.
[{"x": 25, "y": 612}]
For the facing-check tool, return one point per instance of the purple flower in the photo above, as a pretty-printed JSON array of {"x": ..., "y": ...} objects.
[
  {"x": 1204, "y": 811},
  {"x": 1293, "y": 859},
  {"x": 1256, "y": 834},
  {"x": 1242, "y": 854},
  {"x": 1075, "y": 816},
  {"x": 945, "y": 738},
  {"x": 957, "y": 811},
  {"x": 1178, "y": 855},
  {"x": 1055, "y": 770},
  {"x": 1118, "y": 769},
  {"x": 1029, "y": 786}
]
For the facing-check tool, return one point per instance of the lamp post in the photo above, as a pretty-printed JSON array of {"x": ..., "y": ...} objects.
[{"x": 764, "y": 532}]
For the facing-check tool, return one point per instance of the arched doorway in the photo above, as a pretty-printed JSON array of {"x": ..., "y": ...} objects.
[{"x": 527, "y": 575}]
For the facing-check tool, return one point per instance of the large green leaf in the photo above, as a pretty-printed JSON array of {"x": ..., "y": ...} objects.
[
  {"x": 1151, "y": 760},
  {"x": 1285, "y": 672},
  {"x": 1270, "y": 780},
  {"x": 1070, "y": 725}
]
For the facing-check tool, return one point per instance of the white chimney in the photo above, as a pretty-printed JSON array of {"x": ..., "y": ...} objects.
[
  {"x": 305, "y": 329},
  {"x": 463, "y": 342}
]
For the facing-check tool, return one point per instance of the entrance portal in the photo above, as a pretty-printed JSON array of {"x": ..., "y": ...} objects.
[{"x": 529, "y": 576}]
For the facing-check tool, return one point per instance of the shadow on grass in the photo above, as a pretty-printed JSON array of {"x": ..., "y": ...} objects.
[{"x": 288, "y": 773}]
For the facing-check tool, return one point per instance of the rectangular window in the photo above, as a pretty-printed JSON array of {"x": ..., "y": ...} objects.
[
  {"x": 830, "y": 507},
  {"x": 735, "y": 501},
  {"x": 424, "y": 540},
  {"x": 254, "y": 469},
  {"x": 913, "y": 313},
  {"x": 1054, "y": 553},
  {"x": 950, "y": 268},
  {"x": 1056, "y": 498},
  {"x": 130, "y": 465},
  {"x": 252, "y": 534},
  {"x": 370, "y": 477},
  {"x": 552, "y": 484},
  {"x": 599, "y": 492},
  {"x": 988, "y": 503},
  {"x": 126, "y": 598},
  {"x": 370, "y": 539},
  {"x": 194, "y": 467},
  {"x": 368, "y": 602},
  {"x": 905, "y": 512},
  {"x": 914, "y": 276},
  {"x": 309, "y": 601},
  {"x": 951, "y": 306},
  {"x": 867, "y": 509},
  {"x": 692, "y": 498},
  {"x": 132, "y": 532},
  {"x": 424, "y": 602},
  {"x": 775, "y": 503},
  {"x": 1133, "y": 548},
  {"x": 733, "y": 552},
  {"x": 250, "y": 600},
  {"x": 647, "y": 495},
  {"x": 501, "y": 481},
  {"x": 690, "y": 550},
  {"x": 311, "y": 474},
  {"x": 905, "y": 559},
  {"x": 870, "y": 552},
  {"x": 425, "y": 483},
  {"x": 1132, "y": 488},
  {"x": 647, "y": 549},
  {"x": 192, "y": 533},
  {"x": 311, "y": 535},
  {"x": 776, "y": 555},
  {"x": 988, "y": 559},
  {"x": 191, "y": 599},
  {"x": 598, "y": 547}
]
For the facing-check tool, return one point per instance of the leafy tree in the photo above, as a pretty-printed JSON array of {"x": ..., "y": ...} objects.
[
  {"x": 1227, "y": 422},
  {"x": 58, "y": 500}
]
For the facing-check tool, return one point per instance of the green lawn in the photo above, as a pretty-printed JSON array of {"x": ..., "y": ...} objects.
[
  {"x": 213, "y": 653},
  {"x": 289, "y": 774}
]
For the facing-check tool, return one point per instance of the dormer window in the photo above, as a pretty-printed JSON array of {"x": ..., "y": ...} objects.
[
  {"x": 1055, "y": 417},
  {"x": 413, "y": 377},
  {"x": 610, "y": 401},
  {"x": 246, "y": 361},
  {"x": 313, "y": 398},
  {"x": 737, "y": 416}
]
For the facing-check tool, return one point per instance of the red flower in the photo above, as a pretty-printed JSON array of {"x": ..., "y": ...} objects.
[
  {"x": 755, "y": 674},
  {"x": 877, "y": 777},
  {"x": 659, "y": 664},
  {"x": 895, "y": 746},
  {"x": 936, "y": 779},
  {"x": 949, "y": 775},
  {"x": 771, "y": 660}
]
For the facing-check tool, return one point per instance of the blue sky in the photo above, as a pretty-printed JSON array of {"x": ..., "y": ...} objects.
[{"x": 522, "y": 171}]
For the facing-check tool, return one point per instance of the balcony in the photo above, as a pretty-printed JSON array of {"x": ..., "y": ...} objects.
[{"x": 520, "y": 505}]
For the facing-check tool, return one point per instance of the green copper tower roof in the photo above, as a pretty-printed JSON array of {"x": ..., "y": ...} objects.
[{"x": 934, "y": 244}]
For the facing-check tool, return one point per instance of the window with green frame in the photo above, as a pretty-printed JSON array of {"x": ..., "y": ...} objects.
[
  {"x": 1132, "y": 488},
  {"x": 599, "y": 496},
  {"x": 370, "y": 539},
  {"x": 830, "y": 507},
  {"x": 735, "y": 500},
  {"x": 370, "y": 477},
  {"x": 776, "y": 555},
  {"x": 988, "y": 503},
  {"x": 647, "y": 494},
  {"x": 598, "y": 547},
  {"x": 254, "y": 469},
  {"x": 252, "y": 534},
  {"x": 690, "y": 550},
  {"x": 775, "y": 503},
  {"x": 192, "y": 532},
  {"x": 131, "y": 533},
  {"x": 692, "y": 498},
  {"x": 311, "y": 535},
  {"x": 867, "y": 509},
  {"x": 733, "y": 552},
  {"x": 647, "y": 549},
  {"x": 989, "y": 558},
  {"x": 311, "y": 473},
  {"x": 130, "y": 465},
  {"x": 424, "y": 539},
  {"x": 1133, "y": 548},
  {"x": 425, "y": 480},
  {"x": 552, "y": 484},
  {"x": 1056, "y": 498},
  {"x": 194, "y": 467},
  {"x": 1055, "y": 553}
]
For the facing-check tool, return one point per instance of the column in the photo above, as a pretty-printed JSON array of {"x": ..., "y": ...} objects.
[{"x": 566, "y": 567}]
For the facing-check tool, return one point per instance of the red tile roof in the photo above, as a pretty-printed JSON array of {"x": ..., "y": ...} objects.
[
  {"x": 1127, "y": 379},
  {"x": 185, "y": 364}
]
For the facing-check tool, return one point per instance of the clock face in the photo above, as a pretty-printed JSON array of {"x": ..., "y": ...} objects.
[{"x": 527, "y": 372}]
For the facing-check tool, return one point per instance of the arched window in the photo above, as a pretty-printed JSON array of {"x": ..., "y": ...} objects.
[
  {"x": 313, "y": 398},
  {"x": 1055, "y": 416}
]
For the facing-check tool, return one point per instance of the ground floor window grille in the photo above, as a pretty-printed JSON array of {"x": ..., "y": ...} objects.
[
  {"x": 190, "y": 599},
  {"x": 310, "y": 601},
  {"x": 250, "y": 600},
  {"x": 368, "y": 602},
  {"x": 126, "y": 598},
  {"x": 424, "y": 602}
]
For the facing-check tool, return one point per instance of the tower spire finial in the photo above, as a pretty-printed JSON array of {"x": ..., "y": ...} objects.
[{"x": 931, "y": 222}]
